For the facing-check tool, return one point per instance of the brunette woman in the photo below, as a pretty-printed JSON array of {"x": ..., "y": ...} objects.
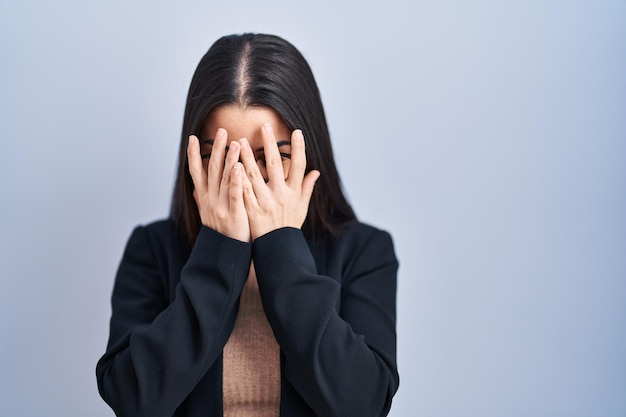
[{"x": 261, "y": 294}]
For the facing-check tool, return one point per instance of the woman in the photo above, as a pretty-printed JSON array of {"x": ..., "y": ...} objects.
[{"x": 261, "y": 295}]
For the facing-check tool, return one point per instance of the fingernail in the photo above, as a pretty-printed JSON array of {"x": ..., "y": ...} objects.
[
  {"x": 220, "y": 132},
  {"x": 267, "y": 127}
]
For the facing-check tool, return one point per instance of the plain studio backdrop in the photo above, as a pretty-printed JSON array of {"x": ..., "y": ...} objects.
[{"x": 489, "y": 137}]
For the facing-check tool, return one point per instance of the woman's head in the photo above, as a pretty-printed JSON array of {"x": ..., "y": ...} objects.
[{"x": 253, "y": 71}]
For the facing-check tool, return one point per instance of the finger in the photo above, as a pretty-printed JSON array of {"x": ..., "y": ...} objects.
[
  {"x": 195, "y": 196},
  {"x": 253, "y": 173},
  {"x": 235, "y": 188},
  {"x": 247, "y": 190},
  {"x": 297, "y": 166},
  {"x": 196, "y": 170},
  {"x": 232, "y": 158},
  {"x": 273, "y": 160},
  {"x": 308, "y": 185},
  {"x": 216, "y": 162}
]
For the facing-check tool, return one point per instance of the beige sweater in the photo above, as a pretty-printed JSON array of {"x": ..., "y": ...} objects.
[{"x": 251, "y": 374}]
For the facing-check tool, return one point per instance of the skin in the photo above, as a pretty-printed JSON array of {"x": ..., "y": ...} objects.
[{"x": 247, "y": 188}]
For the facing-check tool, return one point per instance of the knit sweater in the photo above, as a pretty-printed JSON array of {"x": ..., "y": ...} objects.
[{"x": 251, "y": 371}]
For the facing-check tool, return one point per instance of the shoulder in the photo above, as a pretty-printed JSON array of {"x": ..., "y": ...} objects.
[
  {"x": 359, "y": 246},
  {"x": 358, "y": 236},
  {"x": 161, "y": 238},
  {"x": 159, "y": 229},
  {"x": 365, "y": 255},
  {"x": 163, "y": 231}
]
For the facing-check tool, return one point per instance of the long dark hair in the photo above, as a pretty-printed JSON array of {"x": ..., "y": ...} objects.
[{"x": 262, "y": 70}]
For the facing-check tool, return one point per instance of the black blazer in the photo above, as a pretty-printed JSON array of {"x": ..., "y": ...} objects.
[{"x": 331, "y": 305}]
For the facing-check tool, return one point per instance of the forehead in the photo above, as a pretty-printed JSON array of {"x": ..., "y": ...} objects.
[{"x": 242, "y": 122}]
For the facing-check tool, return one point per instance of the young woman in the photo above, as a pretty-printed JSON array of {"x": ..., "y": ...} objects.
[{"x": 261, "y": 295}]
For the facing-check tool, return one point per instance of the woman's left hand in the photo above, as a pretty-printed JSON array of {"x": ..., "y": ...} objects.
[{"x": 284, "y": 200}]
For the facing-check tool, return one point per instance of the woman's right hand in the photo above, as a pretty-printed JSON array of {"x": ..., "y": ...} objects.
[{"x": 218, "y": 189}]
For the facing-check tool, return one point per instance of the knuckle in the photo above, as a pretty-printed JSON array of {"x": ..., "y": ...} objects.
[
  {"x": 221, "y": 214},
  {"x": 254, "y": 174},
  {"x": 218, "y": 145},
  {"x": 247, "y": 190},
  {"x": 299, "y": 163},
  {"x": 274, "y": 161},
  {"x": 214, "y": 168}
]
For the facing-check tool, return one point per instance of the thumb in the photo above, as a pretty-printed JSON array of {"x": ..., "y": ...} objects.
[
  {"x": 195, "y": 196},
  {"x": 308, "y": 184}
]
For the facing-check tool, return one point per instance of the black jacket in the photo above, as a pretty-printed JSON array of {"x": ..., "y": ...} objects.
[{"x": 330, "y": 303}]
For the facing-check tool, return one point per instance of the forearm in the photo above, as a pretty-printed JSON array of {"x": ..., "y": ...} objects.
[
  {"x": 336, "y": 369},
  {"x": 157, "y": 356}
]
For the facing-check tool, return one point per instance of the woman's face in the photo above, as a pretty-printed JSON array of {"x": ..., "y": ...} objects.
[{"x": 246, "y": 123}]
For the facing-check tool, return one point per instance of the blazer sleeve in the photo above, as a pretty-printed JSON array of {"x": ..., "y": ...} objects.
[
  {"x": 157, "y": 350},
  {"x": 342, "y": 364}
]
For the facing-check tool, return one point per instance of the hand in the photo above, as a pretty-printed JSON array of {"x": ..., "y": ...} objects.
[
  {"x": 284, "y": 200},
  {"x": 218, "y": 189}
]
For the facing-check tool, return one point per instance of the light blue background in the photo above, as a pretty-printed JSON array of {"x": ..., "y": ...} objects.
[{"x": 489, "y": 137}]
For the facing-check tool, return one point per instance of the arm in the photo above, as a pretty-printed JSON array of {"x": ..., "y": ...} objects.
[
  {"x": 157, "y": 352},
  {"x": 342, "y": 364}
]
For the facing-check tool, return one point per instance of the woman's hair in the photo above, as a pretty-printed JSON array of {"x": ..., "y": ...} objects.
[{"x": 262, "y": 70}]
